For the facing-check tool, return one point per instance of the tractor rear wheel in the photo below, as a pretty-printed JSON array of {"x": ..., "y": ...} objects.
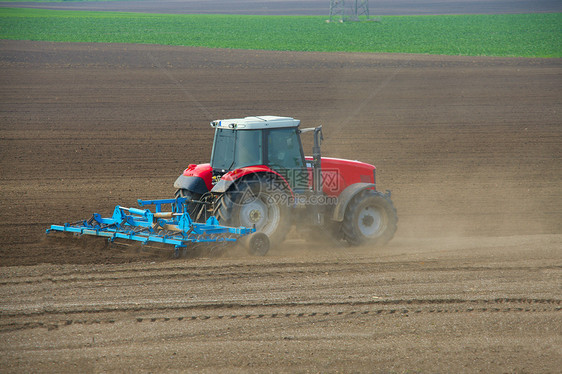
[
  {"x": 259, "y": 202},
  {"x": 184, "y": 193},
  {"x": 192, "y": 208},
  {"x": 370, "y": 218}
]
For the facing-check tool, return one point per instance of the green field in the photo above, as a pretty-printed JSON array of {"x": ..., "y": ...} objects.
[
  {"x": 52, "y": 1},
  {"x": 524, "y": 35}
]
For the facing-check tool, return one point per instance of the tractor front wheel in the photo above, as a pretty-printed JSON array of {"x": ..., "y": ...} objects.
[{"x": 370, "y": 218}]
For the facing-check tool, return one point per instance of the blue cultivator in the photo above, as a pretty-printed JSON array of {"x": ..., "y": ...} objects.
[{"x": 173, "y": 227}]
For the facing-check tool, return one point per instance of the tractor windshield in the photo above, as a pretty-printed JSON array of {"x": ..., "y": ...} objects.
[{"x": 234, "y": 149}]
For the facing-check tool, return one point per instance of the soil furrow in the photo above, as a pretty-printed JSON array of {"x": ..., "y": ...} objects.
[{"x": 400, "y": 308}]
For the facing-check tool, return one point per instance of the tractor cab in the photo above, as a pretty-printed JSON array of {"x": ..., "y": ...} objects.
[{"x": 252, "y": 141}]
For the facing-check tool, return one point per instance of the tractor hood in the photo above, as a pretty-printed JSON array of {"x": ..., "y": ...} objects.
[{"x": 338, "y": 173}]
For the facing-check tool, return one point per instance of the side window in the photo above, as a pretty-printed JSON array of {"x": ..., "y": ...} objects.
[
  {"x": 285, "y": 155},
  {"x": 283, "y": 149}
]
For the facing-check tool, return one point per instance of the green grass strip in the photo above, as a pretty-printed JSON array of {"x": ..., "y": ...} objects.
[
  {"x": 55, "y": 1},
  {"x": 516, "y": 35}
]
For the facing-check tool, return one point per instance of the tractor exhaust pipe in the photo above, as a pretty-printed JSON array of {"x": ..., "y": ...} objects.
[
  {"x": 317, "y": 172},
  {"x": 317, "y": 160},
  {"x": 317, "y": 185}
]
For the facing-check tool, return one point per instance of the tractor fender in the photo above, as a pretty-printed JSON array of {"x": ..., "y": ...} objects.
[
  {"x": 196, "y": 178},
  {"x": 192, "y": 184},
  {"x": 346, "y": 196},
  {"x": 222, "y": 186},
  {"x": 231, "y": 177}
]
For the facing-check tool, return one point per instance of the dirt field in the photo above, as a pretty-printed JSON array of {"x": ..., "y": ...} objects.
[{"x": 469, "y": 146}]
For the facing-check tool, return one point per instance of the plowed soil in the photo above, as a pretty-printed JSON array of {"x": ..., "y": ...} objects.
[{"x": 469, "y": 146}]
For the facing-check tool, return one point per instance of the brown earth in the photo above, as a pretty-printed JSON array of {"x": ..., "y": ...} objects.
[{"x": 469, "y": 146}]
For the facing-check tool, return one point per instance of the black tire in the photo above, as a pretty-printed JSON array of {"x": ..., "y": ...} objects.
[
  {"x": 262, "y": 202},
  {"x": 257, "y": 243},
  {"x": 183, "y": 193},
  {"x": 192, "y": 208},
  {"x": 370, "y": 218}
]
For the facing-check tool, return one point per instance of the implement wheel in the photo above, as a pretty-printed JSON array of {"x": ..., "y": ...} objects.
[
  {"x": 256, "y": 243},
  {"x": 370, "y": 218}
]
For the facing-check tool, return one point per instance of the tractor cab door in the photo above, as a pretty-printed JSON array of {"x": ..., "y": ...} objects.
[{"x": 284, "y": 155}]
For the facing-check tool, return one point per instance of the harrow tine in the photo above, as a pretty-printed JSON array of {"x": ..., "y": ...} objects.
[{"x": 173, "y": 227}]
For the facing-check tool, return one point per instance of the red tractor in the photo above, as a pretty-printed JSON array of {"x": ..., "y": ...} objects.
[{"x": 259, "y": 177}]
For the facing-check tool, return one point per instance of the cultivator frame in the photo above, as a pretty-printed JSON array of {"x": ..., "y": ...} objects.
[{"x": 174, "y": 227}]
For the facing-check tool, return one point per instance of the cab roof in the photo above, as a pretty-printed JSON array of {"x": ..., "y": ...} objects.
[{"x": 255, "y": 123}]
